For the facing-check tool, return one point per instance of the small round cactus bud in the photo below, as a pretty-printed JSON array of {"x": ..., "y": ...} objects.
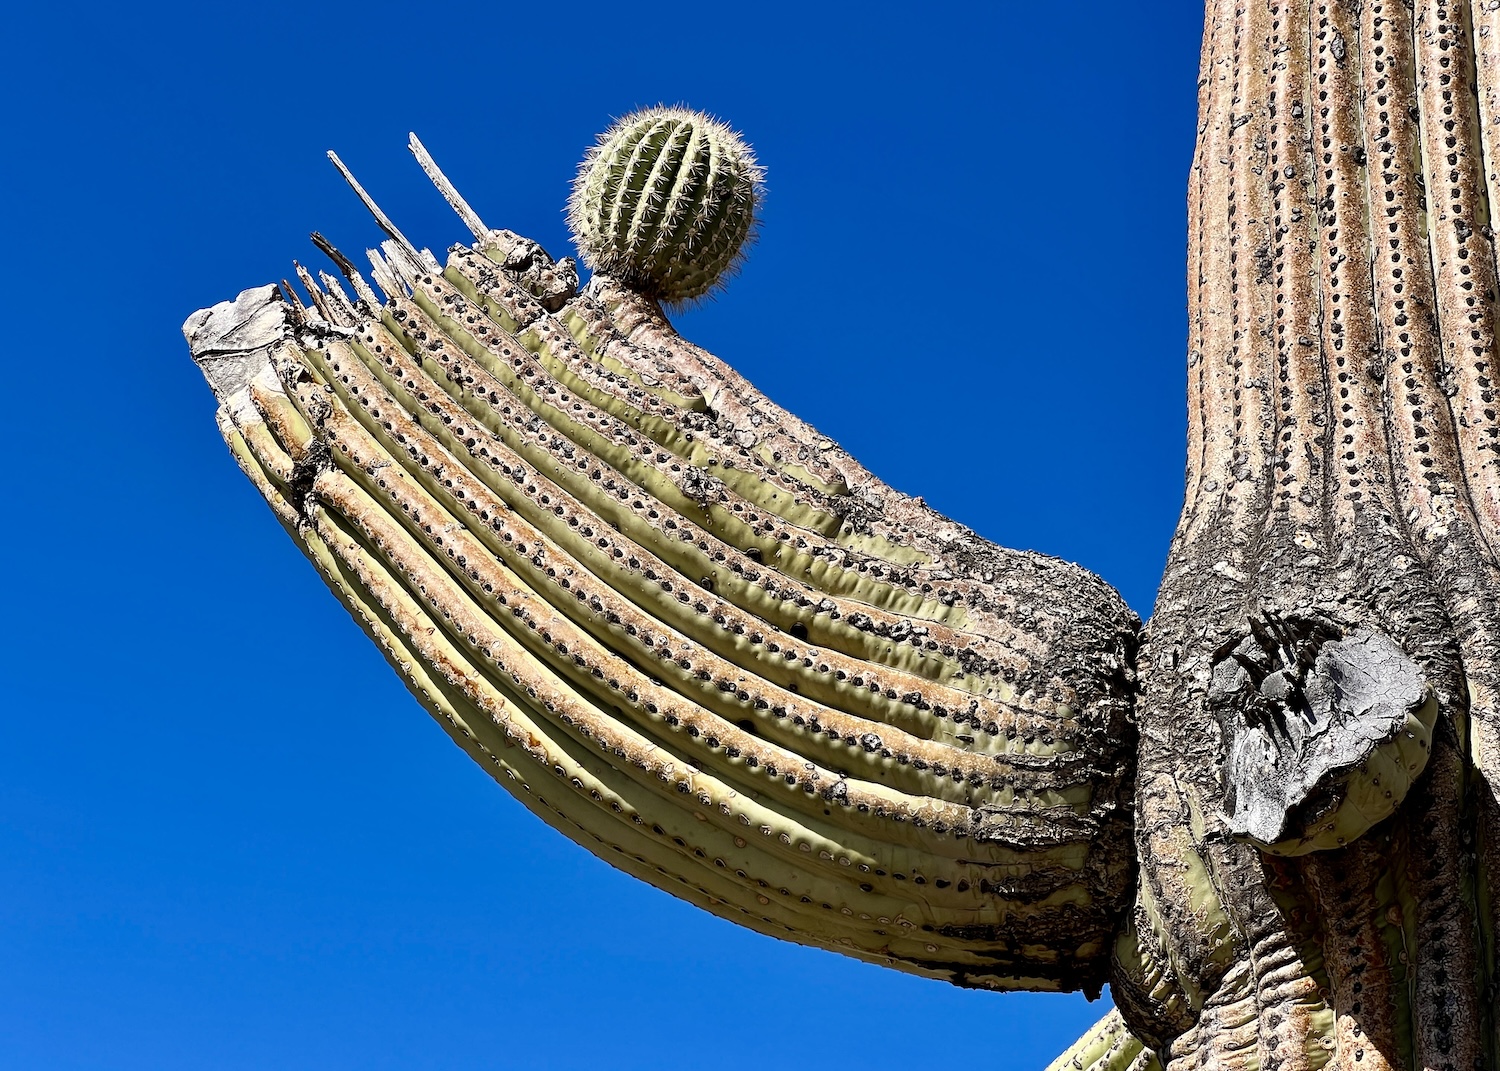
[{"x": 665, "y": 202}]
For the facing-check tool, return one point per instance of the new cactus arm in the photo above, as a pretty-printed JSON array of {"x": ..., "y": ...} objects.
[{"x": 1108, "y": 1046}]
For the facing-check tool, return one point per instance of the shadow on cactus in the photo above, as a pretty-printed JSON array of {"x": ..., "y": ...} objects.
[{"x": 702, "y": 641}]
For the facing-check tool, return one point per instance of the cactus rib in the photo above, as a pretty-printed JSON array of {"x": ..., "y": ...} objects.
[
  {"x": 330, "y": 533},
  {"x": 314, "y": 399},
  {"x": 661, "y": 852},
  {"x": 501, "y": 432},
  {"x": 357, "y": 552},
  {"x": 1107, "y": 1046},
  {"x": 804, "y": 548},
  {"x": 386, "y": 467},
  {"x": 432, "y": 345},
  {"x": 769, "y": 709},
  {"x": 343, "y": 437}
]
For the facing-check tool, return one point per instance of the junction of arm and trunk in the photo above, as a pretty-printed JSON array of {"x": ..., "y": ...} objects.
[
  {"x": 1343, "y": 481},
  {"x": 696, "y": 637}
]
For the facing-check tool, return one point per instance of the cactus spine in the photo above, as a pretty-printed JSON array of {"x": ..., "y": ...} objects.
[{"x": 665, "y": 202}]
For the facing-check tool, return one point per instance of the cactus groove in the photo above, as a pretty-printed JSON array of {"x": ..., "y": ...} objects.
[{"x": 692, "y": 634}]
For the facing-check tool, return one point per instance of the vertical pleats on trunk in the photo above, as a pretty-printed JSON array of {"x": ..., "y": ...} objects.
[{"x": 1343, "y": 465}]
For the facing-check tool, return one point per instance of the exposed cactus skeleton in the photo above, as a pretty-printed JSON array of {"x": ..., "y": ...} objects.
[{"x": 699, "y": 639}]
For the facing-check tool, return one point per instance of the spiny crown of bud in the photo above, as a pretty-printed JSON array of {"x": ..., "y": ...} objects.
[{"x": 665, "y": 202}]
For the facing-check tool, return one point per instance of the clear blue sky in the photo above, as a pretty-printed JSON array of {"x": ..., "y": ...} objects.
[{"x": 228, "y": 838}]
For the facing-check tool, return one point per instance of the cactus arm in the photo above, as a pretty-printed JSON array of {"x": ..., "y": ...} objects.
[
  {"x": 737, "y": 666},
  {"x": 1107, "y": 1046},
  {"x": 693, "y": 635},
  {"x": 497, "y": 732}
]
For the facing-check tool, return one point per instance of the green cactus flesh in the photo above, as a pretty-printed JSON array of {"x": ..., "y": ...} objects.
[{"x": 1107, "y": 1046}]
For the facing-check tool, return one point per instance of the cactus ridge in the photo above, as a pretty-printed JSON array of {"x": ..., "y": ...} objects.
[
  {"x": 470, "y": 499},
  {"x": 408, "y": 586},
  {"x": 1108, "y": 1046},
  {"x": 503, "y": 592},
  {"x": 666, "y": 203},
  {"x": 344, "y": 368},
  {"x": 489, "y": 365},
  {"x": 588, "y": 805}
]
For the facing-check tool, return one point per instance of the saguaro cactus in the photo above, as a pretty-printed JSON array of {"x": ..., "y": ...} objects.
[{"x": 698, "y": 638}]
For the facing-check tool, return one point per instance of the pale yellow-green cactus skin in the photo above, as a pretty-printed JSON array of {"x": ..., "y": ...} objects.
[{"x": 1369, "y": 793}]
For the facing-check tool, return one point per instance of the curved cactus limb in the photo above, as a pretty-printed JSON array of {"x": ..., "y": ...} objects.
[
  {"x": 960, "y": 824},
  {"x": 1107, "y": 1046},
  {"x": 699, "y": 639}
]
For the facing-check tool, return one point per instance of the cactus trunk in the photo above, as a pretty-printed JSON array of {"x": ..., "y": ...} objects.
[{"x": 1344, "y": 472}]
